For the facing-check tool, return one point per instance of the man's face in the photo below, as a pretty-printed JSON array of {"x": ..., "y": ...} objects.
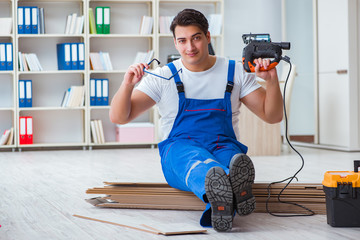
[{"x": 192, "y": 44}]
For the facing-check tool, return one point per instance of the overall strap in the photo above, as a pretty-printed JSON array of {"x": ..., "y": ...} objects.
[
  {"x": 179, "y": 84},
  {"x": 230, "y": 77}
]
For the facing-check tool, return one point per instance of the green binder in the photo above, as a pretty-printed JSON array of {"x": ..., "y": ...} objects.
[
  {"x": 99, "y": 19},
  {"x": 106, "y": 20}
]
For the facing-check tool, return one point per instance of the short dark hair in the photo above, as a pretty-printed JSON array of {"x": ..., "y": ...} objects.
[{"x": 190, "y": 17}]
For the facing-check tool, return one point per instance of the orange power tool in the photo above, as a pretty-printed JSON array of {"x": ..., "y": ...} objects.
[{"x": 260, "y": 46}]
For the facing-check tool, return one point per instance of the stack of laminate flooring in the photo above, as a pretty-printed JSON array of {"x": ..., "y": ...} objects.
[{"x": 162, "y": 196}]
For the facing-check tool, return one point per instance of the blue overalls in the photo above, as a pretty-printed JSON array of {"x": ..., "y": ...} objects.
[{"x": 202, "y": 137}]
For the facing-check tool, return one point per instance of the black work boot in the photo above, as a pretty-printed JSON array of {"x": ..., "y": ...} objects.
[
  {"x": 220, "y": 196},
  {"x": 242, "y": 175}
]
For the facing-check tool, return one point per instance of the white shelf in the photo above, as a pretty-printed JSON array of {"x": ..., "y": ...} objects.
[
  {"x": 6, "y": 72},
  {"x": 122, "y": 1},
  {"x": 121, "y": 36},
  {"x": 107, "y": 71},
  {"x": 51, "y": 108},
  {"x": 52, "y": 72},
  {"x": 123, "y": 143},
  {"x": 55, "y": 144},
  {"x": 99, "y": 107},
  {"x": 51, "y": 35},
  {"x": 7, "y": 109}
]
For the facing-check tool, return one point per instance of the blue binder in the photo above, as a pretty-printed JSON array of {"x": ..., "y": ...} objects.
[
  {"x": 28, "y": 93},
  {"x": 99, "y": 99},
  {"x": 81, "y": 56},
  {"x": 20, "y": 20},
  {"x": 105, "y": 92},
  {"x": 34, "y": 20},
  {"x": 27, "y": 20},
  {"x": 22, "y": 102},
  {"x": 74, "y": 56},
  {"x": 2, "y": 56},
  {"x": 9, "y": 57},
  {"x": 92, "y": 92},
  {"x": 64, "y": 56}
]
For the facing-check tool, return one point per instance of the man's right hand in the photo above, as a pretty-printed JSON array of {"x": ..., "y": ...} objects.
[{"x": 135, "y": 73}]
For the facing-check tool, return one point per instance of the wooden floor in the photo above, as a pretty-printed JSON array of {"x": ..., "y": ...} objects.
[{"x": 41, "y": 190}]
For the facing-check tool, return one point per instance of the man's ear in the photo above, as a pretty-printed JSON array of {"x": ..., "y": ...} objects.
[
  {"x": 208, "y": 37},
  {"x": 175, "y": 43}
]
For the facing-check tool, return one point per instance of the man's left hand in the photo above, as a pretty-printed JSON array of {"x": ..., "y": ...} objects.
[{"x": 267, "y": 75}]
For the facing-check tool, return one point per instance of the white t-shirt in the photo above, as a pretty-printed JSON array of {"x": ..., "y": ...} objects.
[{"x": 209, "y": 84}]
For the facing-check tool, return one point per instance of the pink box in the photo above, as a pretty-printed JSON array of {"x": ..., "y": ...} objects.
[{"x": 135, "y": 133}]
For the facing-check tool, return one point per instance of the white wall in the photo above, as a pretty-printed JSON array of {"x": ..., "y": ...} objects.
[
  {"x": 264, "y": 16},
  {"x": 256, "y": 16},
  {"x": 299, "y": 31}
]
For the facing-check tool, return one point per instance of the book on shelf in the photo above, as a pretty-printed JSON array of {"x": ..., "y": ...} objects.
[
  {"x": 165, "y": 23},
  {"x": 146, "y": 25},
  {"x": 30, "y": 20},
  {"x": 99, "y": 92},
  {"x": 6, "y": 26},
  {"x": 144, "y": 57},
  {"x": 6, "y": 57},
  {"x": 92, "y": 24},
  {"x": 97, "y": 132},
  {"x": 41, "y": 21},
  {"x": 100, "y": 61},
  {"x": 25, "y": 93},
  {"x": 29, "y": 62},
  {"x": 70, "y": 56},
  {"x": 26, "y": 130},
  {"x": 74, "y": 97},
  {"x": 215, "y": 24},
  {"x": 7, "y": 137},
  {"x": 102, "y": 20},
  {"x": 74, "y": 24}
]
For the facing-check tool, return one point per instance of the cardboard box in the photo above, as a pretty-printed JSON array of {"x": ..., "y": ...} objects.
[{"x": 135, "y": 133}]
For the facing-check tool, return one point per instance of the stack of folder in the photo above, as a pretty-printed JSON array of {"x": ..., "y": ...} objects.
[
  {"x": 74, "y": 24},
  {"x": 74, "y": 97},
  {"x": 26, "y": 130},
  {"x": 100, "y": 61},
  {"x": 162, "y": 196},
  {"x": 71, "y": 56},
  {"x": 97, "y": 132},
  {"x": 144, "y": 57},
  {"x": 215, "y": 24},
  {"x": 99, "y": 92},
  {"x": 7, "y": 137},
  {"x": 146, "y": 25},
  {"x": 6, "y": 57},
  {"x": 164, "y": 24},
  {"x": 29, "y": 62},
  {"x": 6, "y": 26},
  {"x": 25, "y": 93},
  {"x": 31, "y": 20}
]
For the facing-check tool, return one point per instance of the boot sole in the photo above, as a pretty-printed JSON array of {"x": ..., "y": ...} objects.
[
  {"x": 242, "y": 175},
  {"x": 219, "y": 193}
]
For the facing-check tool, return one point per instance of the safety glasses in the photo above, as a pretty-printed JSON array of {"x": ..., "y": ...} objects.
[{"x": 158, "y": 62}]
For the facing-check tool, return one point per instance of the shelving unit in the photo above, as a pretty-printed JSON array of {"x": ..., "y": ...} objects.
[
  {"x": 7, "y": 79},
  {"x": 53, "y": 125}
]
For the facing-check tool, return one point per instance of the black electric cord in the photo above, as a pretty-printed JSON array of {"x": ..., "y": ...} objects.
[{"x": 310, "y": 212}]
